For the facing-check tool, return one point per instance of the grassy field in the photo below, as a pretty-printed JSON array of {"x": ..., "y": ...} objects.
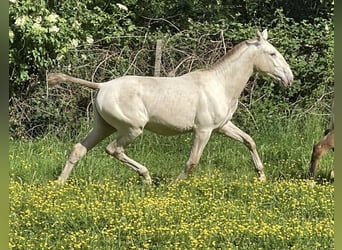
[{"x": 104, "y": 204}]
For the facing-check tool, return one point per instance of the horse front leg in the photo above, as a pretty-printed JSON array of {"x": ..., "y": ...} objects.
[
  {"x": 230, "y": 130},
  {"x": 200, "y": 140}
]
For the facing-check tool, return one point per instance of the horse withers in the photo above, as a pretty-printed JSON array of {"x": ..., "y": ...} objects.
[{"x": 200, "y": 102}]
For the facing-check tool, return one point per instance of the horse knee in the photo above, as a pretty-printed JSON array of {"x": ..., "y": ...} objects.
[{"x": 250, "y": 143}]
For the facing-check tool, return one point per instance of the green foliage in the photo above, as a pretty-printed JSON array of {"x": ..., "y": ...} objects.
[
  {"x": 101, "y": 40},
  {"x": 42, "y": 36},
  {"x": 309, "y": 49},
  {"x": 178, "y": 12}
]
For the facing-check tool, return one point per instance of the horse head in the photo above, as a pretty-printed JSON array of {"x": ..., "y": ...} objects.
[{"x": 270, "y": 61}]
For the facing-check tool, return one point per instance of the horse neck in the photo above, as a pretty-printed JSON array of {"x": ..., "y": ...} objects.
[{"x": 235, "y": 70}]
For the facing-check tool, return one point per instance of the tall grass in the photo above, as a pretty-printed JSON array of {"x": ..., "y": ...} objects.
[
  {"x": 284, "y": 147},
  {"x": 221, "y": 206}
]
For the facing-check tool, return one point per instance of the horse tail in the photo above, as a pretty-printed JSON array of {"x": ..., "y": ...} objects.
[{"x": 56, "y": 78}]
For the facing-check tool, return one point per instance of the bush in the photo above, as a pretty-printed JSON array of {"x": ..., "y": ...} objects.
[{"x": 50, "y": 35}]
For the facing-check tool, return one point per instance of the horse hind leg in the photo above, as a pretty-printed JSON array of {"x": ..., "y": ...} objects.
[
  {"x": 117, "y": 149},
  {"x": 100, "y": 131}
]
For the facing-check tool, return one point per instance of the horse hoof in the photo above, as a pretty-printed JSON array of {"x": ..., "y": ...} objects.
[
  {"x": 332, "y": 175},
  {"x": 262, "y": 178},
  {"x": 147, "y": 181},
  {"x": 59, "y": 181},
  {"x": 182, "y": 176}
]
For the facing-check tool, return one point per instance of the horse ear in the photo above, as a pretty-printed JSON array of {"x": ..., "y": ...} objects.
[{"x": 263, "y": 35}]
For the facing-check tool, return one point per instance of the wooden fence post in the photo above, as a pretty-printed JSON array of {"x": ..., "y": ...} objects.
[{"x": 158, "y": 57}]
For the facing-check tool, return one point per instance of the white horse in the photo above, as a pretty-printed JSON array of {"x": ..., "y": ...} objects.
[{"x": 200, "y": 102}]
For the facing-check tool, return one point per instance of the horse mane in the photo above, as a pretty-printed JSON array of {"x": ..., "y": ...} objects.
[{"x": 232, "y": 54}]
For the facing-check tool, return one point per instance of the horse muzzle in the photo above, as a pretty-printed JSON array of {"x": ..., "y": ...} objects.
[{"x": 285, "y": 77}]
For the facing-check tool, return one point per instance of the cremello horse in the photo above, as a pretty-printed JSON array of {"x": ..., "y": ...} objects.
[{"x": 200, "y": 102}]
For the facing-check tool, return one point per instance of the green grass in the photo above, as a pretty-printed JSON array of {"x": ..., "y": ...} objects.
[{"x": 104, "y": 204}]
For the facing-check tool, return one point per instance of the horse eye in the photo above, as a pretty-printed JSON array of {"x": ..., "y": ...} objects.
[{"x": 273, "y": 54}]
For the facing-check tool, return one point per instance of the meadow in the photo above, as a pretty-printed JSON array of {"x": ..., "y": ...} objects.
[{"x": 105, "y": 205}]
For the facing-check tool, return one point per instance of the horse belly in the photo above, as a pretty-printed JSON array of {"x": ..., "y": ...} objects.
[
  {"x": 166, "y": 129},
  {"x": 171, "y": 121}
]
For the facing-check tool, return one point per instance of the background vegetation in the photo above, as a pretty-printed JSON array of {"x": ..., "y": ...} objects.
[{"x": 101, "y": 40}]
